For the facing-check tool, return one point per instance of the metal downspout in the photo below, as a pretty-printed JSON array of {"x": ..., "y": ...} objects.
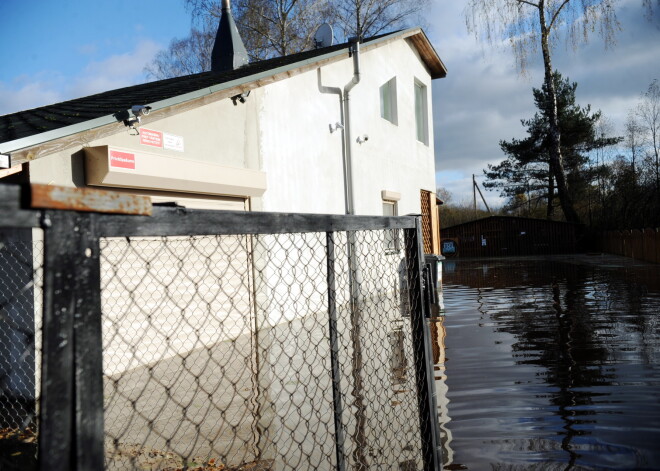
[
  {"x": 354, "y": 275},
  {"x": 348, "y": 154}
]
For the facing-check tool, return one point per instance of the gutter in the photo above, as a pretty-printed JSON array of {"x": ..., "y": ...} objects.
[
  {"x": 348, "y": 163},
  {"x": 41, "y": 138}
]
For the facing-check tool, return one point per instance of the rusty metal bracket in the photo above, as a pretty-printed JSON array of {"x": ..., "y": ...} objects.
[{"x": 87, "y": 200}]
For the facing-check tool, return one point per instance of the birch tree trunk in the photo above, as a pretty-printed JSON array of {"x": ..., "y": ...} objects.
[{"x": 556, "y": 160}]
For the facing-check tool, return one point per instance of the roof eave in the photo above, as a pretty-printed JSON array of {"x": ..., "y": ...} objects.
[{"x": 428, "y": 53}]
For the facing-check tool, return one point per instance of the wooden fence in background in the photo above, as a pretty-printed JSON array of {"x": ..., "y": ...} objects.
[{"x": 639, "y": 244}]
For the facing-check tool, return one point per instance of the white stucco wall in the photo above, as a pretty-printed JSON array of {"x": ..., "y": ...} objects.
[
  {"x": 219, "y": 132},
  {"x": 303, "y": 159}
]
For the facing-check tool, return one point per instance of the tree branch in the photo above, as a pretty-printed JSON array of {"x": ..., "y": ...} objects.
[
  {"x": 554, "y": 17},
  {"x": 528, "y": 3}
]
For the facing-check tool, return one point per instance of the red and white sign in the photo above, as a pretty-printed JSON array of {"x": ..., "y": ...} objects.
[
  {"x": 122, "y": 159},
  {"x": 152, "y": 138}
]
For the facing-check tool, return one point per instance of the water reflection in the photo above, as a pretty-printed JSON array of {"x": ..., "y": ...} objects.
[
  {"x": 550, "y": 364},
  {"x": 438, "y": 334}
]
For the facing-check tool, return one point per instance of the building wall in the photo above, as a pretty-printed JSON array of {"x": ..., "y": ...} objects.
[
  {"x": 219, "y": 132},
  {"x": 298, "y": 147}
]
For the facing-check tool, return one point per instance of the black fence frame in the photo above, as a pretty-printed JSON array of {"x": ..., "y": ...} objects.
[{"x": 71, "y": 429}]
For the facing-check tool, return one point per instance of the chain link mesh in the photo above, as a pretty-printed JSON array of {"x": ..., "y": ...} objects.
[
  {"x": 21, "y": 261},
  {"x": 217, "y": 353}
]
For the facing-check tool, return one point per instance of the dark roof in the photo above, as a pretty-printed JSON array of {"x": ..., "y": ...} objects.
[{"x": 47, "y": 118}]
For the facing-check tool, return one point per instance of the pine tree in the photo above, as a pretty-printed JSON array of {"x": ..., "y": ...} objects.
[{"x": 528, "y": 171}]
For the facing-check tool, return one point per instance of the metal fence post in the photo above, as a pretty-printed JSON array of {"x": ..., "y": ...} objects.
[
  {"x": 426, "y": 400},
  {"x": 71, "y": 405},
  {"x": 334, "y": 352}
]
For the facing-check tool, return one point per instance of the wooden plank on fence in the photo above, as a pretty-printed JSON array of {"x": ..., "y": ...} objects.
[
  {"x": 637, "y": 240},
  {"x": 627, "y": 244},
  {"x": 184, "y": 222},
  {"x": 649, "y": 245},
  {"x": 56, "y": 403},
  {"x": 88, "y": 352},
  {"x": 88, "y": 199},
  {"x": 71, "y": 405}
]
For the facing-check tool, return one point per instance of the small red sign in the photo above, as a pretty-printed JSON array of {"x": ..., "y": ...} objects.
[
  {"x": 152, "y": 138},
  {"x": 122, "y": 159}
]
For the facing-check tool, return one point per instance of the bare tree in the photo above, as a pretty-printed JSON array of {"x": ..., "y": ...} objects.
[
  {"x": 271, "y": 28},
  {"x": 365, "y": 18},
  {"x": 648, "y": 113},
  {"x": 185, "y": 56},
  {"x": 633, "y": 140},
  {"x": 268, "y": 27},
  {"x": 444, "y": 194},
  {"x": 530, "y": 24}
]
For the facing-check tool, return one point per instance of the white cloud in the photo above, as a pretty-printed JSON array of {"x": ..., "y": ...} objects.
[
  {"x": 87, "y": 49},
  {"x": 483, "y": 98},
  {"x": 22, "y": 94},
  {"x": 116, "y": 71}
]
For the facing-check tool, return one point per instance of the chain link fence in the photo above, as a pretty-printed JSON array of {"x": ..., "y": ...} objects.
[
  {"x": 21, "y": 255},
  {"x": 217, "y": 353},
  {"x": 298, "y": 343}
]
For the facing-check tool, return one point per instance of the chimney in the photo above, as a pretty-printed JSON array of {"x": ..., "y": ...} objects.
[{"x": 228, "y": 51}]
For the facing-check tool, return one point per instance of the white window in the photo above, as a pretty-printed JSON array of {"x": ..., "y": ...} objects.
[
  {"x": 391, "y": 237},
  {"x": 388, "y": 109},
  {"x": 421, "y": 112}
]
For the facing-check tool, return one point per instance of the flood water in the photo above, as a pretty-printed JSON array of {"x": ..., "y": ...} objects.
[{"x": 549, "y": 363}]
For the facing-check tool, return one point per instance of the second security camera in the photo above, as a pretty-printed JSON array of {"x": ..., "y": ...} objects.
[{"x": 140, "y": 110}]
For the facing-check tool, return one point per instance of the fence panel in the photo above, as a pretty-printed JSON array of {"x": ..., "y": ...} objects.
[
  {"x": 649, "y": 245},
  {"x": 211, "y": 340},
  {"x": 218, "y": 350},
  {"x": 638, "y": 244}
]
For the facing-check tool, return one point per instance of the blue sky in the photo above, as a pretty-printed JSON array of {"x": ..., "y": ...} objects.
[
  {"x": 54, "y": 50},
  {"x": 47, "y": 35}
]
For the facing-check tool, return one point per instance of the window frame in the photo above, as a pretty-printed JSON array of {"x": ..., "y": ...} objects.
[
  {"x": 421, "y": 112},
  {"x": 388, "y": 91},
  {"x": 391, "y": 242}
]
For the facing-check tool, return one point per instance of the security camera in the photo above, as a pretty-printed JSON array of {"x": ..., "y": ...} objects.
[
  {"x": 140, "y": 110},
  {"x": 362, "y": 139},
  {"x": 335, "y": 127}
]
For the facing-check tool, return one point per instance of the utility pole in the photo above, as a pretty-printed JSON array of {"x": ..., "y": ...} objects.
[
  {"x": 474, "y": 195},
  {"x": 476, "y": 188}
]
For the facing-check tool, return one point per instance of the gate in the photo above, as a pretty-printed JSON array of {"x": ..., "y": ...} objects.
[{"x": 207, "y": 340}]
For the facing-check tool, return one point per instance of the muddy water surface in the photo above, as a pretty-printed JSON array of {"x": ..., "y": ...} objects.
[{"x": 549, "y": 363}]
